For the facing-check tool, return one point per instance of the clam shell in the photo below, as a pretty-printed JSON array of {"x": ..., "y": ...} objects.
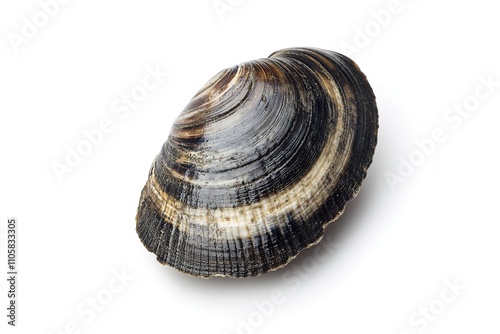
[{"x": 260, "y": 161}]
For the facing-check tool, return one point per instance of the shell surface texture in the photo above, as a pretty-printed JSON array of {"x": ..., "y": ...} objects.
[{"x": 260, "y": 161}]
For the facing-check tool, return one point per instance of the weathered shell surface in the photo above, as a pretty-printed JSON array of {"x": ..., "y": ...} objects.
[{"x": 261, "y": 160}]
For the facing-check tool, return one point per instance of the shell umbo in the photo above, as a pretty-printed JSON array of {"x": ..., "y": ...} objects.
[{"x": 260, "y": 161}]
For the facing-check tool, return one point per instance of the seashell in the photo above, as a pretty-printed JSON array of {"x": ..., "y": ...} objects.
[{"x": 260, "y": 161}]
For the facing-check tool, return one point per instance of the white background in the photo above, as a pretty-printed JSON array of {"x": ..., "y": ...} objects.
[{"x": 397, "y": 243}]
